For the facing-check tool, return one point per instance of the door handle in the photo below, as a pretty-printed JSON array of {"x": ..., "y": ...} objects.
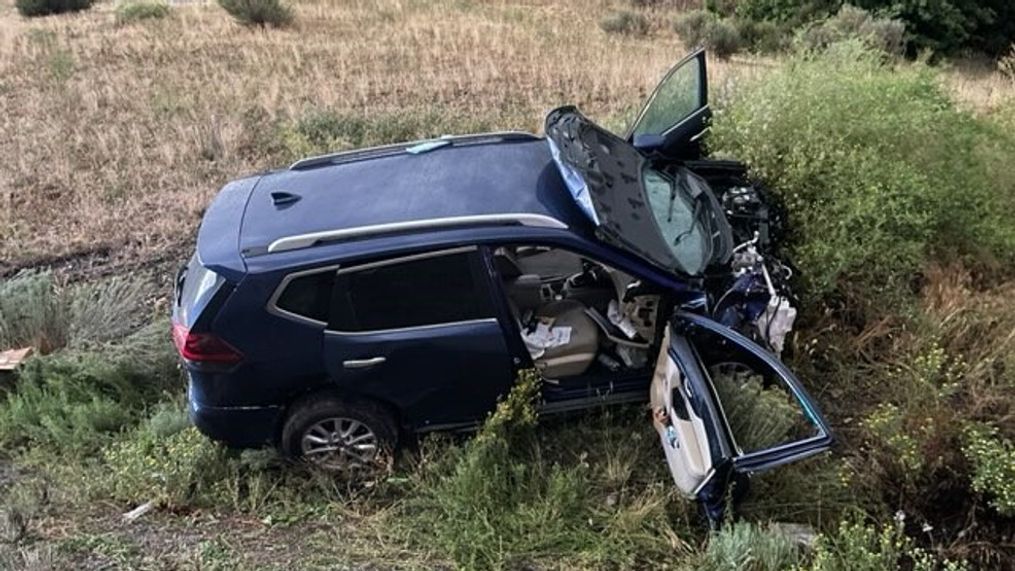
[{"x": 363, "y": 363}]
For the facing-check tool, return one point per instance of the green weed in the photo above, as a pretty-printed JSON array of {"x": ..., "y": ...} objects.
[
  {"x": 132, "y": 11},
  {"x": 881, "y": 171},
  {"x": 993, "y": 466}
]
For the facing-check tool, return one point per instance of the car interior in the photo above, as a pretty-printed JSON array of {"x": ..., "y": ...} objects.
[{"x": 576, "y": 315}]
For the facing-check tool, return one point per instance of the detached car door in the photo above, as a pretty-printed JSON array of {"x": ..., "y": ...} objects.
[
  {"x": 676, "y": 114},
  {"x": 726, "y": 408}
]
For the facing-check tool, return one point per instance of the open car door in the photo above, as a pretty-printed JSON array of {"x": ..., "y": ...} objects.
[
  {"x": 726, "y": 408},
  {"x": 676, "y": 114}
]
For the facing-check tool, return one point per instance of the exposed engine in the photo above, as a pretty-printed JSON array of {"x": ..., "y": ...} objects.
[{"x": 756, "y": 300}]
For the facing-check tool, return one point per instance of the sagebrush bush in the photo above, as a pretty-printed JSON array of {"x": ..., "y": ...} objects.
[
  {"x": 692, "y": 25},
  {"x": 748, "y": 546},
  {"x": 624, "y": 22},
  {"x": 700, "y": 28},
  {"x": 31, "y": 8},
  {"x": 136, "y": 11},
  {"x": 763, "y": 36},
  {"x": 878, "y": 32},
  {"x": 723, "y": 39},
  {"x": 262, "y": 13},
  {"x": 35, "y": 310},
  {"x": 881, "y": 171},
  {"x": 71, "y": 402}
]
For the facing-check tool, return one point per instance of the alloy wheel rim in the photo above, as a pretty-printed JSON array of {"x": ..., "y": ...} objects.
[{"x": 340, "y": 443}]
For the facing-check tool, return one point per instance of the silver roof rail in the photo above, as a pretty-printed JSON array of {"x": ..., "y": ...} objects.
[
  {"x": 396, "y": 148},
  {"x": 300, "y": 241}
]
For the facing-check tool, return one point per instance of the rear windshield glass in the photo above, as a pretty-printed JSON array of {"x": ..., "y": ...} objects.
[{"x": 199, "y": 284}]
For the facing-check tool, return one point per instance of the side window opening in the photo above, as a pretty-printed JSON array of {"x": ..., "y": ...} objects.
[
  {"x": 577, "y": 316},
  {"x": 436, "y": 289},
  {"x": 308, "y": 296},
  {"x": 760, "y": 409}
]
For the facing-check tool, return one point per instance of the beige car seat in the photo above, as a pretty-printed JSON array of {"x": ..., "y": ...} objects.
[{"x": 575, "y": 357}]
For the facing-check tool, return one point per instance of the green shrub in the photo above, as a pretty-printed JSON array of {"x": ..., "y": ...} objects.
[
  {"x": 880, "y": 33},
  {"x": 506, "y": 499},
  {"x": 747, "y": 546},
  {"x": 624, "y": 22},
  {"x": 698, "y": 28},
  {"x": 944, "y": 26},
  {"x": 72, "y": 402},
  {"x": 993, "y": 463},
  {"x": 855, "y": 546},
  {"x": 791, "y": 13},
  {"x": 723, "y": 39},
  {"x": 168, "y": 419},
  {"x": 32, "y": 8},
  {"x": 136, "y": 11},
  {"x": 170, "y": 471},
  {"x": 763, "y": 36},
  {"x": 692, "y": 27},
  {"x": 261, "y": 13},
  {"x": 950, "y": 26},
  {"x": 881, "y": 171}
]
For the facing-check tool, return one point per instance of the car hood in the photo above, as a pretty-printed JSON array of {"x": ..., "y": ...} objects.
[{"x": 604, "y": 175}]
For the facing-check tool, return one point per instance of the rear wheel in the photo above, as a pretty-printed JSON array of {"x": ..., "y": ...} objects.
[{"x": 340, "y": 435}]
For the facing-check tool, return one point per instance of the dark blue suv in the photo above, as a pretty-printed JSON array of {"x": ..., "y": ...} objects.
[{"x": 351, "y": 299}]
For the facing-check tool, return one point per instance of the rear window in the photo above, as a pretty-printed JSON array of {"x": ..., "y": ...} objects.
[
  {"x": 199, "y": 284},
  {"x": 429, "y": 291},
  {"x": 308, "y": 296}
]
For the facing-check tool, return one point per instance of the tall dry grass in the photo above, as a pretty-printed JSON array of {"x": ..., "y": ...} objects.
[{"x": 120, "y": 135}]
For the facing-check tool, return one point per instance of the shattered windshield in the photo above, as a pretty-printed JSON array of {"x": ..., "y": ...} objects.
[{"x": 681, "y": 224}]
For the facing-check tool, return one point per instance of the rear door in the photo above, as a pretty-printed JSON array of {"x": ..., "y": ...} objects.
[
  {"x": 420, "y": 332},
  {"x": 724, "y": 406},
  {"x": 677, "y": 113}
]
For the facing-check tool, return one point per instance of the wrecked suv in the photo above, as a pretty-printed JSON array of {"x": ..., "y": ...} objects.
[{"x": 357, "y": 297}]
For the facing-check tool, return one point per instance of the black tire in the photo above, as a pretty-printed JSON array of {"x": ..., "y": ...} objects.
[{"x": 317, "y": 417}]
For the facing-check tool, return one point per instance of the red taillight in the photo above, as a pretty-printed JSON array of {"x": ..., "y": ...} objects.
[{"x": 203, "y": 347}]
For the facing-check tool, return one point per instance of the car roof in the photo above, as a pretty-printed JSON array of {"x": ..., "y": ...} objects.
[{"x": 477, "y": 178}]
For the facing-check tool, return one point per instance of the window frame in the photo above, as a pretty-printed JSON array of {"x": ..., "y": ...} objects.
[
  {"x": 273, "y": 307},
  {"x": 477, "y": 267}
]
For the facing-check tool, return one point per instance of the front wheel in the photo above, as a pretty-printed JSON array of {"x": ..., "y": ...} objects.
[{"x": 351, "y": 437}]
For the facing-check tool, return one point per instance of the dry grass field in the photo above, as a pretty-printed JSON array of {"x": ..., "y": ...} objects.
[{"x": 116, "y": 137}]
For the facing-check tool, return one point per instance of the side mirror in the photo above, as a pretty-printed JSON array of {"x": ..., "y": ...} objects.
[{"x": 648, "y": 142}]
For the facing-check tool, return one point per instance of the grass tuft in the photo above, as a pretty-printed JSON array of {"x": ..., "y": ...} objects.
[{"x": 131, "y": 11}]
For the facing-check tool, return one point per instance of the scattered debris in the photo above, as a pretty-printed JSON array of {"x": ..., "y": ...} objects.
[
  {"x": 139, "y": 511},
  {"x": 11, "y": 358},
  {"x": 800, "y": 534}
]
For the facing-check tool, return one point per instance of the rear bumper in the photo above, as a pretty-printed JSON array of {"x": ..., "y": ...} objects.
[{"x": 239, "y": 427}]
